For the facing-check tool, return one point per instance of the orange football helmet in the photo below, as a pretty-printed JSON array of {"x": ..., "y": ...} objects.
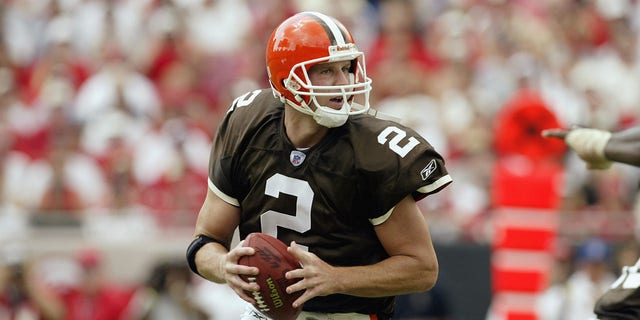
[{"x": 307, "y": 39}]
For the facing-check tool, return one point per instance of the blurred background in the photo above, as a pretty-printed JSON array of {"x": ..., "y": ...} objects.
[{"x": 108, "y": 110}]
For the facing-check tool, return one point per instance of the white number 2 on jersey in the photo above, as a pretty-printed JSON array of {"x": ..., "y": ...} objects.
[
  {"x": 301, "y": 221},
  {"x": 394, "y": 144},
  {"x": 278, "y": 183},
  {"x": 244, "y": 100}
]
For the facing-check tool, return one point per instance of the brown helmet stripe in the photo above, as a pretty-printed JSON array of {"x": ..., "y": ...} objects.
[{"x": 337, "y": 35}]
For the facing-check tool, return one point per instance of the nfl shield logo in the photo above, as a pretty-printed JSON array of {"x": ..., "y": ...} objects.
[{"x": 296, "y": 157}]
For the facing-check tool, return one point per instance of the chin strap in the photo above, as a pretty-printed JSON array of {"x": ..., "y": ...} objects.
[
  {"x": 331, "y": 119},
  {"x": 384, "y": 116}
]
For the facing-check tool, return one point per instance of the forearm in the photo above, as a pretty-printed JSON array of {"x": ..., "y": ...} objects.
[
  {"x": 209, "y": 261},
  {"x": 624, "y": 146},
  {"x": 624, "y": 151},
  {"x": 394, "y": 276},
  {"x": 627, "y": 135},
  {"x": 215, "y": 226}
]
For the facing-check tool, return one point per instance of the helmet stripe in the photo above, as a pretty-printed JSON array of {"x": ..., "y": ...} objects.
[{"x": 336, "y": 35}]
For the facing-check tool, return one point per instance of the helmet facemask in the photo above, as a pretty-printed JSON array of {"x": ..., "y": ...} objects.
[{"x": 355, "y": 95}]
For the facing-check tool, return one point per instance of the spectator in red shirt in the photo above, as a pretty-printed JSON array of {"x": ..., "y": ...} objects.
[{"x": 94, "y": 298}]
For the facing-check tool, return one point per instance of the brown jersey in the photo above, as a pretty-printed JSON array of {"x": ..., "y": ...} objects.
[{"x": 327, "y": 198}]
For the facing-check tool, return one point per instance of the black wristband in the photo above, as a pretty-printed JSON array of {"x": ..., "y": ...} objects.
[{"x": 193, "y": 248}]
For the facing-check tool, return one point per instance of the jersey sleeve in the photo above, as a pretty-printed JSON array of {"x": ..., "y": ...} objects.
[
  {"x": 232, "y": 135},
  {"x": 220, "y": 163},
  {"x": 399, "y": 163}
]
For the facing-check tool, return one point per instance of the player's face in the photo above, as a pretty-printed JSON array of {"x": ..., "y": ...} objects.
[{"x": 330, "y": 74}]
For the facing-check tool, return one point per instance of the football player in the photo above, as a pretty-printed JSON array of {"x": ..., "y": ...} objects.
[
  {"x": 306, "y": 161},
  {"x": 599, "y": 149}
]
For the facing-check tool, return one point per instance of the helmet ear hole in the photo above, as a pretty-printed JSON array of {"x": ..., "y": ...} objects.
[{"x": 291, "y": 84}]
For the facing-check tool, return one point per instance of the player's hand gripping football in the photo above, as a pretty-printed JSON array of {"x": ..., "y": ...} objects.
[
  {"x": 232, "y": 271},
  {"x": 316, "y": 276},
  {"x": 588, "y": 143}
]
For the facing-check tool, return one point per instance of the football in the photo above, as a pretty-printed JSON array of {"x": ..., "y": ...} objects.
[{"x": 273, "y": 261}]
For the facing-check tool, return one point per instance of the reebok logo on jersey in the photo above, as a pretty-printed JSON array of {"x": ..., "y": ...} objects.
[
  {"x": 429, "y": 169},
  {"x": 297, "y": 157}
]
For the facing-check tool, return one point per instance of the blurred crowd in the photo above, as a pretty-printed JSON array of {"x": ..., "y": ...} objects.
[
  {"x": 108, "y": 108},
  {"x": 78, "y": 287}
]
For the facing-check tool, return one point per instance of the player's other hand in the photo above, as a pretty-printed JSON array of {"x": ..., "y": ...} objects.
[
  {"x": 588, "y": 143},
  {"x": 316, "y": 276},
  {"x": 555, "y": 133},
  {"x": 233, "y": 270}
]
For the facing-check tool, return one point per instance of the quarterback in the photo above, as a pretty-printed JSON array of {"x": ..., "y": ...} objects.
[{"x": 306, "y": 161}]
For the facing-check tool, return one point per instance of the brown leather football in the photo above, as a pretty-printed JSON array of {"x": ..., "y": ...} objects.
[{"x": 273, "y": 260}]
